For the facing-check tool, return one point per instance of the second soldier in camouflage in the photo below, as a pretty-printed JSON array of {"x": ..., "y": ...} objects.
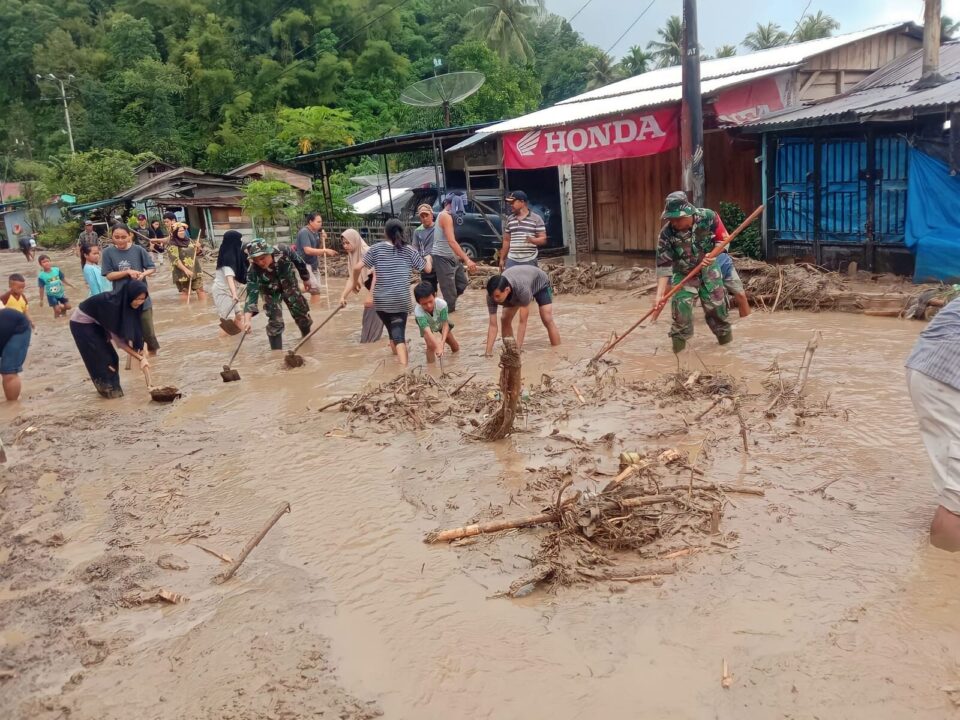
[
  {"x": 273, "y": 274},
  {"x": 684, "y": 241}
]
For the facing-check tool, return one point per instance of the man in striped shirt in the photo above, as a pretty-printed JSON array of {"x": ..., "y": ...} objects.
[
  {"x": 933, "y": 379},
  {"x": 525, "y": 232}
]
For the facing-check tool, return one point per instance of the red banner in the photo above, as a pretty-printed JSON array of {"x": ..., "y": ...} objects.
[
  {"x": 749, "y": 101},
  {"x": 592, "y": 141}
]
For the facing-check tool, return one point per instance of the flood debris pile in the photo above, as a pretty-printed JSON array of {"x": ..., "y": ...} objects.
[
  {"x": 577, "y": 279},
  {"x": 792, "y": 287},
  {"x": 629, "y": 529}
]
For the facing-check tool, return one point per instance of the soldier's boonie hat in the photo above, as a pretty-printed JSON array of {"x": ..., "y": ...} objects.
[
  {"x": 258, "y": 247},
  {"x": 677, "y": 207}
]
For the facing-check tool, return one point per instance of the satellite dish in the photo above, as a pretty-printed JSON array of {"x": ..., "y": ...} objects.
[{"x": 443, "y": 91}]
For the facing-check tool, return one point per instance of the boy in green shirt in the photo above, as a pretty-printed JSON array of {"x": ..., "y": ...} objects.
[
  {"x": 434, "y": 322},
  {"x": 51, "y": 281}
]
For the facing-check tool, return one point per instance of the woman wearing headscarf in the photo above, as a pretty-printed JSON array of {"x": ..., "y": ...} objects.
[
  {"x": 371, "y": 328},
  {"x": 187, "y": 274},
  {"x": 100, "y": 319},
  {"x": 392, "y": 260},
  {"x": 231, "y": 272}
]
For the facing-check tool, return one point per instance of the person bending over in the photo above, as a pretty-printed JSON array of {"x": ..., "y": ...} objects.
[{"x": 515, "y": 289}]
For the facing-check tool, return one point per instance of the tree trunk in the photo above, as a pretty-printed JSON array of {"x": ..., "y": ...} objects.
[{"x": 501, "y": 424}]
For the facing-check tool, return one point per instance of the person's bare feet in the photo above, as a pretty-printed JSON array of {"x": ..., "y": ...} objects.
[{"x": 945, "y": 530}]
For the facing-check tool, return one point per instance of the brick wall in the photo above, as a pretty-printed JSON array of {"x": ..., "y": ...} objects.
[{"x": 581, "y": 208}]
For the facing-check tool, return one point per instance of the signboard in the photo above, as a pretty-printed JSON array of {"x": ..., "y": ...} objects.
[
  {"x": 749, "y": 101},
  {"x": 592, "y": 141}
]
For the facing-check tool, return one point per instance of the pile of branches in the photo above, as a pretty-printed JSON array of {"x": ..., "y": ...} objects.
[
  {"x": 416, "y": 400},
  {"x": 792, "y": 287},
  {"x": 591, "y": 531},
  {"x": 567, "y": 279},
  {"x": 684, "y": 384}
]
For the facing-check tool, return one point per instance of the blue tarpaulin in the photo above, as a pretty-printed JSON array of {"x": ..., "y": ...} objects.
[{"x": 933, "y": 219}]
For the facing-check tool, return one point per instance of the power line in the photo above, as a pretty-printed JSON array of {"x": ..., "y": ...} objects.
[
  {"x": 339, "y": 46},
  {"x": 582, "y": 8},
  {"x": 631, "y": 26}
]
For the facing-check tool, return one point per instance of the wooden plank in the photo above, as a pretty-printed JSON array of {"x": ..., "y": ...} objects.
[{"x": 809, "y": 81}]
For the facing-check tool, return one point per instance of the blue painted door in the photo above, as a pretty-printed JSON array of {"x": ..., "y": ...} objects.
[
  {"x": 890, "y": 187},
  {"x": 843, "y": 191},
  {"x": 793, "y": 201}
]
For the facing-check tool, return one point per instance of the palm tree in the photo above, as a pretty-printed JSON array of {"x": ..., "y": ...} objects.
[
  {"x": 726, "y": 51},
  {"x": 765, "y": 36},
  {"x": 814, "y": 27},
  {"x": 668, "y": 50},
  {"x": 948, "y": 27},
  {"x": 503, "y": 25},
  {"x": 636, "y": 62},
  {"x": 602, "y": 71}
]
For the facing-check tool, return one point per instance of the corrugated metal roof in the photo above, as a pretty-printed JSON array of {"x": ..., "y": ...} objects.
[
  {"x": 663, "y": 86},
  {"x": 886, "y": 91},
  {"x": 738, "y": 64}
]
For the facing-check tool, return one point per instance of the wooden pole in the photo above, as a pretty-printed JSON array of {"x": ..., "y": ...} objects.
[
  {"x": 691, "y": 108},
  {"x": 326, "y": 285},
  {"x": 676, "y": 288},
  {"x": 251, "y": 544}
]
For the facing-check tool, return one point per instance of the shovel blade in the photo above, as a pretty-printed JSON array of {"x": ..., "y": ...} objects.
[
  {"x": 293, "y": 360},
  {"x": 230, "y": 327},
  {"x": 230, "y": 375}
]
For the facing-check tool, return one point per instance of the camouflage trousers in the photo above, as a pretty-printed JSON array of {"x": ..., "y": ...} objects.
[
  {"x": 297, "y": 306},
  {"x": 713, "y": 298}
]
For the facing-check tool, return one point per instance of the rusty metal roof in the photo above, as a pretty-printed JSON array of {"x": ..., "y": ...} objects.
[{"x": 884, "y": 95}]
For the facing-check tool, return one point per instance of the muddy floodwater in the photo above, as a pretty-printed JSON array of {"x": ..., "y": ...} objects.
[{"x": 822, "y": 604}]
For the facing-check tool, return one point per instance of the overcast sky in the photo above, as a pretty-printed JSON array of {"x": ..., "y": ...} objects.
[{"x": 727, "y": 21}]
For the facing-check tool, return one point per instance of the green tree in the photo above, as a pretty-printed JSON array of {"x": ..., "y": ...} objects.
[
  {"x": 765, "y": 36},
  {"x": 267, "y": 203},
  {"x": 637, "y": 61},
  {"x": 94, "y": 175},
  {"x": 603, "y": 71},
  {"x": 316, "y": 128},
  {"x": 948, "y": 27},
  {"x": 504, "y": 25},
  {"x": 725, "y": 51},
  {"x": 814, "y": 27},
  {"x": 668, "y": 50},
  {"x": 510, "y": 89}
]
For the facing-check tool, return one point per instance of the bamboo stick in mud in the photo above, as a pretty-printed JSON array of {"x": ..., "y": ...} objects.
[{"x": 251, "y": 544}]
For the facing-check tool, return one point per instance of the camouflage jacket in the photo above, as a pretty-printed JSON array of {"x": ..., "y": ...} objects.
[
  {"x": 277, "y": 281},
  {"x": 679, "y": 252}
]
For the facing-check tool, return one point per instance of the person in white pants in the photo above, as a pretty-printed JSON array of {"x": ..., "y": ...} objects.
[{"x": 933, "y": 379}]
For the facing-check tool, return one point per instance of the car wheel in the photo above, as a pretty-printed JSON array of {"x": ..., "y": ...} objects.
[{"x": 469, "y": 250}]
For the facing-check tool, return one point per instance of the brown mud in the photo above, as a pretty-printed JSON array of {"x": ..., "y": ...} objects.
[{"x": 819, "y": 602}]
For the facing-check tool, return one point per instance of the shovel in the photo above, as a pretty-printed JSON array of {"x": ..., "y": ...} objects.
[
  {"x": 230, "y": 327},
  {"x": 164, "y": 394},
  {"x": 227, "y": 374},
  {"x": 291, "y": 358}
]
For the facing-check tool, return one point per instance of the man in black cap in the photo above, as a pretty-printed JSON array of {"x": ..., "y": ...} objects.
[
  {"x": 525, "y": 232},
  {"x": 88, "y": 237}
]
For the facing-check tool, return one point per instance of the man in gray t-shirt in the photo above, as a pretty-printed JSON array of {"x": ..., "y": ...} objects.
[
  {"x": 309, "y": 237},
  {"x": 515, "y": 289}
]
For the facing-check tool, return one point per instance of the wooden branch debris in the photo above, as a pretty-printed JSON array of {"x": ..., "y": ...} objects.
[
  {"x": 251, "y": 544},
  {"x": 500, "y": 423},
  {"x": 804, "y": 372}
]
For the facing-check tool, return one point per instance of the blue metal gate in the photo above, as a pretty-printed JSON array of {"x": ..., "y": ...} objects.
[
  {"x": 843, "y": 191},
  {"x": 890, "y": 187},
  {"x": 793, "y": 199}
]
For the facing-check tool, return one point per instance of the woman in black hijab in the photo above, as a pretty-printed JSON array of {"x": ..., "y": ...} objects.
[
  {"x": 231, "y": 273},
  {"x": 110, "y": 316}
]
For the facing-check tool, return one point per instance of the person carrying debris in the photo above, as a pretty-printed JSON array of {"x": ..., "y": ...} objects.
[
  {"x": 447, "y": 254},
  {"x": 933, "y": 379},
  {"x": 273, "y": 273},
  {"x": 515, "y": 289},
  {"x": 684, "y": 241}
]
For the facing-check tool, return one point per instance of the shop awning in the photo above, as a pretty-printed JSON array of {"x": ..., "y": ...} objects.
[{"x": 87, "y": 207}]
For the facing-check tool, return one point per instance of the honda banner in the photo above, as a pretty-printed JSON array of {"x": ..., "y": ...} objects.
[
  {"x": 750, "y": 101},
  {"x": 640, "y": 133}
]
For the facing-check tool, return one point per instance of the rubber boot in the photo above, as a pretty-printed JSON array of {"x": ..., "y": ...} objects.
[
  {"x": 276, "y": 342},
  {"x": 679, "y": 344},
  {"x": 725, "y": 339},
  {"x": 742, "y": 304}
]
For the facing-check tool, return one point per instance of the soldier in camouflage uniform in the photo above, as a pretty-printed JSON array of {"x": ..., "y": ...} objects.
[
  {"x": 684, "y": 241},
  {"x": 273, "y": 273}
]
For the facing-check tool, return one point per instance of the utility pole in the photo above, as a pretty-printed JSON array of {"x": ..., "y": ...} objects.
[
  {"x": 66, "y": 110},
  {"x": 930, "y": 74},
  {"x": 691, "y": 108}
]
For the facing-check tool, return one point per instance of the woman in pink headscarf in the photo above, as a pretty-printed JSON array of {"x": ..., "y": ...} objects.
[{"x": 355, "y": 247}]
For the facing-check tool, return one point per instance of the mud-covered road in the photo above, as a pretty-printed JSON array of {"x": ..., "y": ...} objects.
[{"x": 823, "y": 604}]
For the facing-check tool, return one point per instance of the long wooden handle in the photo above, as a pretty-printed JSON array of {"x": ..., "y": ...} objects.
[
  {"x": 251, "y": 544},
  {"x": 708, "y": 258},
  {"x": 239, "y": 295},
  {"x": 234, "y": 356},
  {"x": 314, "y": 331}
]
